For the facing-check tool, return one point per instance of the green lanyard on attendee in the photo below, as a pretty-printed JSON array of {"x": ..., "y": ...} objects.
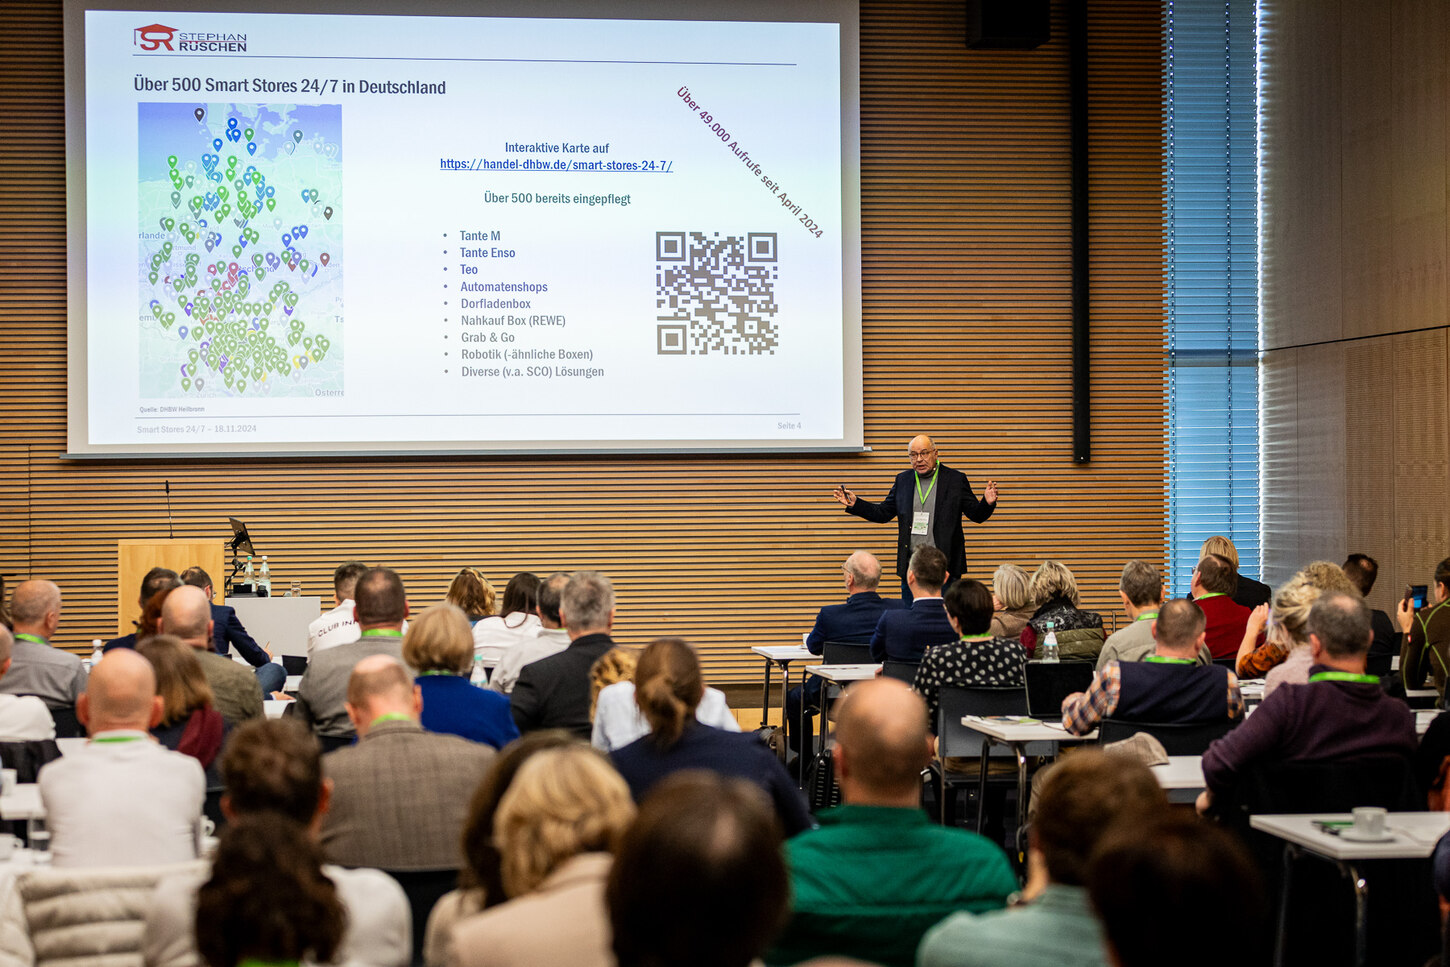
[
  {"x": 1344, "y": 677},
  {"x": 921, "y": 498},
  {"x": 382, "y": 633},
  {"x": 390, "y": 717},
  {"x": 1146, "y": 616},
  {"x": 36, "y": 639},
  {"x": 1205, "y": 597},
  {"x": 984, "y": 637},
  {"x": 1165, "y": 660},
  {"x": 117, "y": 738}
]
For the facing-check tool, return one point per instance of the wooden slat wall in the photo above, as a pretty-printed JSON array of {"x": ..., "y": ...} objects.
[
  {"x": 966, "y": 322},
  {"x": 1356, "y": 286}
]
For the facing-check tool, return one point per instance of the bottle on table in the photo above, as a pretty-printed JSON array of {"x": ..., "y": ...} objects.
[
  {"x": 480, "y": 674},
  {"x": 264, "y": 580},
  {"x": 96, "y": 650},
  {"x": 249, "y": 576},
  {"x": 1049, "y": 643}
]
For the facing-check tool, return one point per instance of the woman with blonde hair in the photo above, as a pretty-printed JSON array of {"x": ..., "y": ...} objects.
[
  {"x": 616, "y": 715},
  {"x": 668, "y": 688},
  {"x": 556, "y": 828},
  {"x": 1283, "y": 657},
  {"x": 1011, "y": 601},
  {"x": 189, "y": 723},
  {"x": 1079, "y": 633},
  {"x": 439, "y": 647},
  {"x": 471, "y": 593}
]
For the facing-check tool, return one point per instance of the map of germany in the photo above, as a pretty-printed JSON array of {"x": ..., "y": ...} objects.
[{"x": 241, "y": 250}]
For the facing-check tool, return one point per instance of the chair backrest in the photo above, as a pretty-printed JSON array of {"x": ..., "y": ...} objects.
[
  {"x": 424, "y": 888},
  {"x": 1049, "y": 682},
  {"x": 330, "y": 743},
  {"x": 955, "y": 739},
  {"x": 1231, "y": 663},
  {"x": 67, "y": 726},
  {"x": 1379, "y": 665},
  {"x": 902, "y": 671},
  {"x": 1336, "y": 786},
  {"x": 26, "y": 758},
  {"x": 1191, "y": 738},
  {"x": 845, "y": 653}
]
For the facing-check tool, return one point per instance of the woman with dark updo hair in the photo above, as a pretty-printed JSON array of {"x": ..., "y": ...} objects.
[{"x": 668, "y": 688}]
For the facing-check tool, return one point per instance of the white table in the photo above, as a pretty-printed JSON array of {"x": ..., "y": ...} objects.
[
  {"x": 1017, "y": 732},
  {"x": 273, "y": 708},
  {"x": 1181, "y": 777},
  {"x": 779, "y": 656},
  {"x": 845, "y": 674},
  {"x": 279, "y": 623},
  {"x": 23, "y": 803},
  {"x": 1415, "y": 836},
  {"x": 1423, "y": 718}
]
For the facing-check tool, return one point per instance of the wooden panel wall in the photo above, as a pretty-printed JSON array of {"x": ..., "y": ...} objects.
[
  {"x": 966, "y": 322},
  {"x": 1356, "y": 194}
]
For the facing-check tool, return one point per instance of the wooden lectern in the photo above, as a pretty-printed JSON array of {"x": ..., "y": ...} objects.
[{"x": 135, "y": 558}]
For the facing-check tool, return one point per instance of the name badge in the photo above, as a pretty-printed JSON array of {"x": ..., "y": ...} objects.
[{"x": 921, "y": 522}]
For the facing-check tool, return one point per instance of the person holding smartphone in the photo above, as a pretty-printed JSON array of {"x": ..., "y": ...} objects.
[{"x": 1427, "y": 634}]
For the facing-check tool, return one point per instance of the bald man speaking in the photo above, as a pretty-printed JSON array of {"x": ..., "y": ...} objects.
[{"x": 928, "y": 503}]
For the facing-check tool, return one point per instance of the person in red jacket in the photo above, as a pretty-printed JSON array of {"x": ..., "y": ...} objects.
[{"x": 1213, "y": 586}]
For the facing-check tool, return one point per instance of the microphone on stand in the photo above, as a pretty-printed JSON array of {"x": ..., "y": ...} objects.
[{"x": 170, "y": 530}]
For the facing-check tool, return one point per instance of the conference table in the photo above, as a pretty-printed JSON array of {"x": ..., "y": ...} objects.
[
  {"x": 779, "y": 656},
  {"x": 1181, "y": 777},
  {"x": 1413, "y": 836},
  {"x": 1017, "y": 733}
]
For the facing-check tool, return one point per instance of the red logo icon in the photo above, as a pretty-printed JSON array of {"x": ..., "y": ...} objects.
[{"x": 153, "y": 37}]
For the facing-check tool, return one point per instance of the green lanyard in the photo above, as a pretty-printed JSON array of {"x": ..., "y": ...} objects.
[
  {"x": 1344, "y": 677},
  {"x": 977, "y": 637},
  {"x": 117, "y": 738},
  {"x": 438, "y": 671},
  {"x": 35, "y": 639},
  {"x": 382, "y": 633},
  {"x": 1165, "y": 660},
  {"x": 1146, "y": 616},
  {"x": 390, "y": 717},
  {"x": 1205, "y": 597},
  {"x": 921, "y": 498}
]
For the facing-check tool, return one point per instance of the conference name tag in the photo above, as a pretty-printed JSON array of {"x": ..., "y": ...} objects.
[{"x": 920, "y": 522}]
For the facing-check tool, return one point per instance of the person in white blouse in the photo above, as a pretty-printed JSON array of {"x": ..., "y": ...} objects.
[
  {"x": 550, "y": 638},
  {"x": 495, "y": 635},
  {"x": 618, "y": 720}
]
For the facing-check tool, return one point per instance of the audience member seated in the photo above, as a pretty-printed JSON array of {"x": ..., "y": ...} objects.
[
  {"x": 189, "y": 724},
  {"x": 1282, "y": 655},
  {"x": 1012, "y": 605},
  {"x": 1362, "y": 570},
  {"x": 1079, "y": 633},
  {"x": 563, "y": 814},
  {"x": 1247, "y": 591},
  {"x": 23, "y": 718},
  {"x": 470, "y": 592},
  {"x": 853, "y": 622},
  {"x": 1166, "y": 687},
  {"x": 337, "y": 626},
  {"x": 440, "y": 649},
  {"x": 381, "y": 609},
  {"x": 480, "y": 885},
  {"x": 618, "y": 720},
  {"x": 273, "y": 774},
  {"x": 55, "y": 677},
  {"x": 1140, "y": 588},
  {"x": 1081, "y": 797},
  {"x": 268, "y": 900},
  {"x": 1211, "y": 588},
  {"x": 877, "y": 873},
  {"x": 1427, "y": 635},
  {"x": 122, "y": 799},
  {"x": 495, "y": 635},
  {"x": 1153, "y": 886},
  {"x": 1341, "y": 713},
  {"x": 236, "y": 693},
  {"x": 549, "y": 639},
  {"x": 157, "y": 579},
  {"x": 905, "y": 634},
  {"x": 4, "y": 608},
  {"x": 553, "y": 692},
  {"x": 698, "y": 880},
  {"x": 978, "y": 659},
  {"x": 399, "y": 794},
  {"x": 668, "y": 689},
  {"x": 228, "y": 633}
]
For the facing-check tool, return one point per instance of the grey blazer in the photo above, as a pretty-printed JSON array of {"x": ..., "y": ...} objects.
[
  {"x": 322, "y": 694},
  {"x": 400, "y": 797}
]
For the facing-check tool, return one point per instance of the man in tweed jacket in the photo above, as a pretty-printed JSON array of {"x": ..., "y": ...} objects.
[{"x": 400, "y": 795}]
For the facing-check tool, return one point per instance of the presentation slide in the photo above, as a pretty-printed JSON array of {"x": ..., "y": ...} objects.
[{"x": 302, "y": 232}]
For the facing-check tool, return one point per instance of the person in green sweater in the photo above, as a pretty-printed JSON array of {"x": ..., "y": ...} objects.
[
  {"x": 1082, "y": 796},
  {"x": 877, "y": 873}
]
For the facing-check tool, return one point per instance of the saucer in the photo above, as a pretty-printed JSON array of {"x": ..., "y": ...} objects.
[{"x": 1355, "y": 836}]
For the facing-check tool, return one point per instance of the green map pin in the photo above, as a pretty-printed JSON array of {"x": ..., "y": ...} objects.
[
  {"x": 185, "y": 383},
  {"x": 241, "y": 386},
  {"x": 193, "y": 354},
  {"x": 294, "y": 337},
  {"x": 237, "y": 251},
  {"x": 171, "y": 160},
  {"x": 271, "y": 204}
]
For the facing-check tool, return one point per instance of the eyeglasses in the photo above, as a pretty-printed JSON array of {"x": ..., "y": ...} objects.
[{"x": 913, "y": 454}]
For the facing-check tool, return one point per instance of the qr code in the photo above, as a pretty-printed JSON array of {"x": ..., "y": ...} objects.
[{"x": 715, "y": 295}]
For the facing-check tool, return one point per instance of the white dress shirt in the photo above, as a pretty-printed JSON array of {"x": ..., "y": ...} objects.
[
  {"x": 618, "y": 720},
  {"x": 546, "y": 642},
  {"x": 335, "y": 627}
]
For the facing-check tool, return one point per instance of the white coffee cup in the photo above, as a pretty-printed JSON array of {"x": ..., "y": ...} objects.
[
  {"x": 1370, "y": 821},
  {"x": 8, "y": 779}
]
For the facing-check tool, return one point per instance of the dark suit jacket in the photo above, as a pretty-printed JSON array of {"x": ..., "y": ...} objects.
[
  {"x": 228, "y": 630},
  {"x": 954, "y": 497},
  {"x": 853, "y": 621},
  {"x": 553, "y": 692},
  {"x": 905, "y": 635},
  {"x": 1251, "y": 593}
]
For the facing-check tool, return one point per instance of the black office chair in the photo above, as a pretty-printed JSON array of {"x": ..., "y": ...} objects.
[
  {"x": 26, "y": 758},
  {"x": 331, "y": 743},
  {"x": 67, "y": 726},
  {"x": 902, "y": 671},
  {"x": 1192, "y": 738},
  {"x": 956, "y": 741},
  {"x": 1231, "y": 662},
  {"x": 424, "y": 888},
  {"x": 1049, "y": 682},
  {"x": 845, "y": 653}
]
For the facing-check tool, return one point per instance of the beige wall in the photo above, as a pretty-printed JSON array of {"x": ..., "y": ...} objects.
[{"x": 1356, "y": 233}]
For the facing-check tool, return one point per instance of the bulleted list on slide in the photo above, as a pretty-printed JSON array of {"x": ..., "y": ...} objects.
[{"x": 331, "y": 229}]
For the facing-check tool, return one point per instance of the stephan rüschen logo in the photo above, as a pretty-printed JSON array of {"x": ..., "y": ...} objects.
[{"x": 157, "y": 37}]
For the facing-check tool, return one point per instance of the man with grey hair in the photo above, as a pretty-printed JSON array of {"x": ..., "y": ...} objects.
[
  {"x": 550, "y": 639},
  {"x": 186, "y": 613},
  {"x": 1141, "y": 590},
  {"x": 553, "y": 693},
  {"x": 55, "y": 677},
  {"x": 23, "y": 718}
]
